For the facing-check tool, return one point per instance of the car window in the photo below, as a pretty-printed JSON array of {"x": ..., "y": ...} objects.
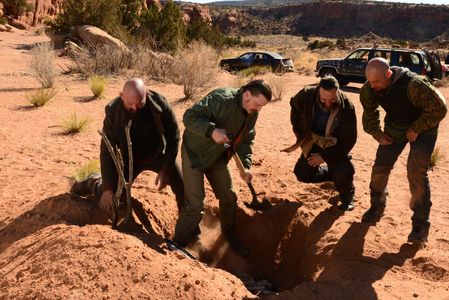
[
  {"x": 359, "y": 55},
  {"x": 247, "y": 56},
  {"x": 383, "y": 54},
  {"x": 259, "y": 56},
  {"x": 408, "y": 60}
]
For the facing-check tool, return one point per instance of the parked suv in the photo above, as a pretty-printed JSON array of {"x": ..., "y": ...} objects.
[{"x": 352, "y": 68}]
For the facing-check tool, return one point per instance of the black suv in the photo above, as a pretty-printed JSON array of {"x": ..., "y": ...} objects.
[{"x": 352, "y": 68}]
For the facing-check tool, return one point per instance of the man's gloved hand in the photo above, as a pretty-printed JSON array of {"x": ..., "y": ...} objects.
[{"x": 412, "y": 135}]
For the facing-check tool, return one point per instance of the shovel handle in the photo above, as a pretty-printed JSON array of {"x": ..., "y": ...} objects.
[{"x": 242, "y": 170}]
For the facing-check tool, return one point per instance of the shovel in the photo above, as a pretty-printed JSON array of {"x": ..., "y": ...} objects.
[{"x": 254, "y": 204}]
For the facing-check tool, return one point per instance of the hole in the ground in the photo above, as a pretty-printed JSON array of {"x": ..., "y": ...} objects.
[{"x": 281, "y": 241}]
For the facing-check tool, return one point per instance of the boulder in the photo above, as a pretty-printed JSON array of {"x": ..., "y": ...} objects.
[
  {"x": 192, "y": 12},
  {"x": 92, "y": 35},
  {"x": 3, "y": 28},
  {"x": 18, "y": 24}
]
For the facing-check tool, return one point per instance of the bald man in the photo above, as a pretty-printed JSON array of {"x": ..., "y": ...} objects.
[
  {"x": 414, "y": 109},
  {"x": 155, "y": 139}
]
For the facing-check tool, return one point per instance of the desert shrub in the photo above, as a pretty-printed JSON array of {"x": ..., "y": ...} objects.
[
  {"x": 201, "y": 30},
  {"x": 16, "y": 7},
  {"x": 278, "y": 87},
  {"x": 75, "y": 124},
  {"x": 435, "y": 158},
  {"x": 2, "y": 20},
  {"x": 41, "y": 97},
  {"x": 194, "y": 68},
  {"x": 92, "y": 166},
  {"x": 341, "y": 43},
  {"x": 103, "y": 60},
  {"x": 305, "y": 38},
  {"x": 167, "y": 27},
  {"x": 42, "y": 66},
  {"x": 401, "y": 43},
  {"x": 316, "y": 44},
  {"x": 97, "y": 85},
  {"x": 254, "y": 71}
]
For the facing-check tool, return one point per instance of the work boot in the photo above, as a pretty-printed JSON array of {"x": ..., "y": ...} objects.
[
  {"x": 236, "y": 245},
  {"x": 347, "y": 205},
  {"x": 87, "y": 186},
  {"x": 418, "y": 235},
  {"x": 373, "y": 214}
]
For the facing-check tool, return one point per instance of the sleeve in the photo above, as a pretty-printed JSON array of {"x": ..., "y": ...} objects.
[
  {"x": 171, "y": 132},
  {"x": 347, "y": 137},
  {"x": 295, "y": 113},
  {"x": 245, "y": 151},
  {"x": 370, "y": 116},
  {"x": 200, "y": 118},
  {"x": 108, "y": 171},
  {"x": 421, "y": 93}
]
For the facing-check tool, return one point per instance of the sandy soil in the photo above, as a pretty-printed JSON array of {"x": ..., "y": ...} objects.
[{"x": 54, "y": 246}]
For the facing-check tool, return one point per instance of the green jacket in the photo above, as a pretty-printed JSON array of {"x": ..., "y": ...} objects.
[
  {"x": 422, "y": 110},
  {"x": 222, "y": 108},
  {"x": 154, "y": 126}
]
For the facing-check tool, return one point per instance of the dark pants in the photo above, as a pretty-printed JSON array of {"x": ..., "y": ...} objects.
[
  {"x": 174, "y": 178},
  {"x": 417, "y": 167},
  {"x": 221, "y": 182},
  {"x": 341, "y": 173}
]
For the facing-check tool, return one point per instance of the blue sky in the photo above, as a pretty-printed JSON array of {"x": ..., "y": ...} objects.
[{"x": 404, "y": 1}]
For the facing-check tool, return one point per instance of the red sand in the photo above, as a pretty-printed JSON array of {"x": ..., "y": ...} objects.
[{"x": 304, "y": 245}]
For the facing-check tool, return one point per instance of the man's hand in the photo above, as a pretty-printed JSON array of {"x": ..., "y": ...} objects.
[
  {"x": 220, "y": 136},
  {"x": 106, "y": 201},
  {"x": 384, "y": 139},
  {"x": 315, "y": 159},
  {"x": 161, "y": 179},
  {"x": 412, "y": 135},
  {"x": 247, "y": 176}
]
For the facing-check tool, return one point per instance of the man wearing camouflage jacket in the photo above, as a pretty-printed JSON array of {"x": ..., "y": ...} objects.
[{"x": 414, "y": 109}]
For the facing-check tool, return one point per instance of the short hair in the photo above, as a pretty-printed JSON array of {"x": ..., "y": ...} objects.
[
  {"x": 257, "y": 87},
  {"x": 328, "y": 83}
]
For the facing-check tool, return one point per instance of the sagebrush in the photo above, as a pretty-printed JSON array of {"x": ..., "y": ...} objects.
[
  {"x": 195, "y": 68},
  {"x": 435, "y": 158},
  {"x": 92, "y": 166},
  {"x": 42, "y": 64}
]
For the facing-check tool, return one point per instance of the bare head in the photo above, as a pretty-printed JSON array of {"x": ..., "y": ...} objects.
[
  {"x": 378, "y": 74},
  {"x": 328, "y": 87},
  {"x": 255, "y": 95},
  {"x": 133, "y": 95}
]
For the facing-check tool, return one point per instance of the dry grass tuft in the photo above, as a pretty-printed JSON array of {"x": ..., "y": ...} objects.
[
  {"x": 92, "y": 166},
  {"x": 97, "y": 85},
  {"x": 436, "y": 157},
  {"x": 74, "y": 125},
  {"x": 41, "y": 97}
]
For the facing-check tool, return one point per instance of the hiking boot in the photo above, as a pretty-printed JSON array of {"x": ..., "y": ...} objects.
[
  {"x": 418, "y": 235},
  {"x": 373, "y": 214},
  {"x": 237, "y": 245},
  {"x": 86, "y": 186}
]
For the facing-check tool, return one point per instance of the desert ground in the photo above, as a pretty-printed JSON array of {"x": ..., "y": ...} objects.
[{"x": 56, "y": 246}]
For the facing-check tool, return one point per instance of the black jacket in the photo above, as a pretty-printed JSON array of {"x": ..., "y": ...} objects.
[
  {"x": 344, "y": 127},
  {"x": 162, "y": 133}
]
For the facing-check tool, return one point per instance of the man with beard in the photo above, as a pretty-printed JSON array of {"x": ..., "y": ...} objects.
[
  {"x": 325, "y": 126},
  {"x": 414, "y": 108},
  {"x": 155, "y": 139}
]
